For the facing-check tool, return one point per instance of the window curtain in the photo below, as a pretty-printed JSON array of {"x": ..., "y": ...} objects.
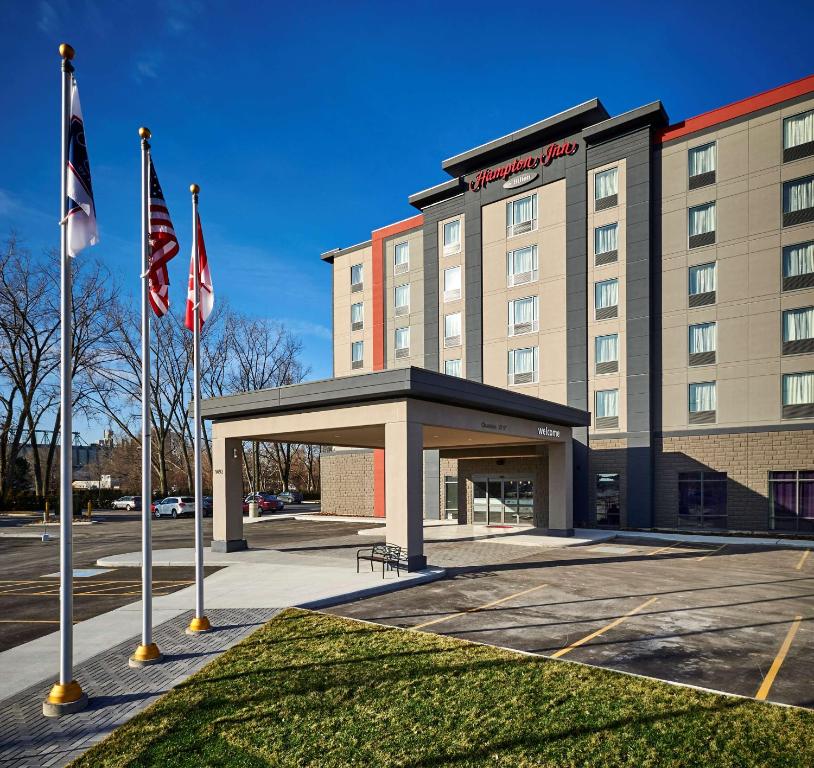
[
  {"x": 402, "y": 338},
  {"x": 702, "y": 337},
  {"x": 798, "y": 130},
  {"x": 702, "y": 160},
  {"x": 605, "y": 238},
  {"x": 452, "y": 367},
  {"x": 798, "y": 324},
  {"x": 452, "y": 232},
  {"x": 798, "y": 195},
  {"x": 702, "y": 397},
  {"x": 607, "y": 348},
  {"x": 356, "y": 351},
  {"x": 798, "y": 388},
  {"x": 356, "y": 313},
  {"x": 452, "y": 279},
  {"x": 607, "y": 294},
  {"x": 702, "y": 279},
  {"x": 356, "y": 274},
  {"x": 702, "y": 219},
  {"x": 798, "y": 259},
  {"x": 402, "y": 253},
  {"x": 521, "y": 360},
  {"x": 522, "y": 260},
  {"x": 403, "y": 295},
  {"x": 605, "y": 183},
  {"x": 607, "y": 402},
  {"x": 522, "y": 311},
  {"x": 452, "y": 325},
  {"x": 521, "y": 210}
]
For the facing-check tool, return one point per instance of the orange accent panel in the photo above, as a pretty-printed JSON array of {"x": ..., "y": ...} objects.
[
  {"x": 377, "y": 241},
  {"x": 739, "y": 108},
  {"x": 378, "y": 482}
]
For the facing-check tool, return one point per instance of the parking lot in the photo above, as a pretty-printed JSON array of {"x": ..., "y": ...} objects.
[{"x": 732, "y": 618}]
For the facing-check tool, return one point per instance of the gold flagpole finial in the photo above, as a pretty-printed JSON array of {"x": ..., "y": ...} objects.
[
  {"x": 66, "y": 51},
  {"x": 144, "y": 132},
  {"x": 194, "y": 188}
]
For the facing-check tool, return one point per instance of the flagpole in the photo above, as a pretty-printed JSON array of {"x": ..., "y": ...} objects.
[
  {"x": 66, "y": 696},
  {"x": 147, "y": 653},
  {"x": 199, "y": 622}
]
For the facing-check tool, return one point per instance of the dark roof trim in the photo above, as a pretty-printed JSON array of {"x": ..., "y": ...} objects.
[
  {"x": 650, "y": 114},
  {"x": 399, "y": 383},
  {"x": 329, "y": 256},
  {"x": 571, "y": 120},
  {"x": 437, "y": 193}
]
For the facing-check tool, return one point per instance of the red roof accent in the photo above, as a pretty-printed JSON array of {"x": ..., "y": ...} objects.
[{"x": 739, "y": 108}]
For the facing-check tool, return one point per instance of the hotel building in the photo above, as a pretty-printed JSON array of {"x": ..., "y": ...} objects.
[{"x": 658, "y": 275}]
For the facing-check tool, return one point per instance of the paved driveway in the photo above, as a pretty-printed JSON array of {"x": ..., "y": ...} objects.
[{"x": 734, "y": 618}]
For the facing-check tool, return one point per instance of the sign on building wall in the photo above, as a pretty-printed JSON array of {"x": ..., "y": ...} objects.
[{"x": 524, "y": 166}]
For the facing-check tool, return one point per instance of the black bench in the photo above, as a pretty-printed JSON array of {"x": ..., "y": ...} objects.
[{"x": 389, "y": 555}]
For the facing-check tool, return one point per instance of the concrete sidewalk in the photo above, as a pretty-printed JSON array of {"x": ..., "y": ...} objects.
[
  {"x": 703, "y": 538},
  {"x": 253, "y": 579}
]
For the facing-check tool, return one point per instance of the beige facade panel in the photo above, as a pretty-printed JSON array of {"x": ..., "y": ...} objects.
[
  {"x": 343, "y": 298},
  {"x": 414, "y": 317},
  {"x": 447, "y": 303}
]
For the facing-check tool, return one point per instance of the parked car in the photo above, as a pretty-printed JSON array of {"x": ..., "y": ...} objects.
[
  {"x": 290, "y": 497},
  {"x": 175, "y": 506},
  {"x": 127, "y": 502},
  {"x": 267, "y": 502},
  {"x": 206, "y": 506}
]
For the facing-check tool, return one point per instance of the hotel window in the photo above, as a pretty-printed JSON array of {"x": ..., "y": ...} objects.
[
  {"x": 703, "y": 343},
  {"x": 523, "y": 316},
  {"x": 452, "y": 330},
  {"x": 606, "y": 245},
  {"x": 798, "y": 266},
  {"x": 357, "y": 354},
  {"x": 452, "y": 284},
  {"x": 521, "y": 266},
  {"x": 450, "y": 497},
  {"x": 703, "y": 402},
  {"x": 607, "y": 500},
  {"x": 606, "y": 189},
  {"x": 798, "y": 136},
  {"x": 357, "y": 316},
  {"x": 798, "y": 201},
  {"x": 702, "y": 499},
  {"x": 401, "y": 258},
  {"x": 607, "y": 408},
  {"x": 703, "y": 283},
  {"x": 606, "y": 299},
  {"x": 798, "y": 395},
  {"x": 401, "y": 299},
  {"x": 356, "y": 278},
  {"x": 523, "y": 366},
  {"x": 798, "y": 331},
  {"x": 452, "y": 237},
  {"x": 606, "y": 353},
  {"x": 702, "y": 161},
  {"x": 701, "y": 224},
  {"x": 402, "y": 342},
  {"x": 791, "y": 500},
  {"x": 453, "y": 367},
  {"x": 521, "y": 215}
]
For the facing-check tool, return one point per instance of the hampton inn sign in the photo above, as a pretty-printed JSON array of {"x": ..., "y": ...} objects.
[{"x": 523, "y": 165}]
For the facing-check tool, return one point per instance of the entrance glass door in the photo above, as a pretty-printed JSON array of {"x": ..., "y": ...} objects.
[{"x": 501, "y": 501}]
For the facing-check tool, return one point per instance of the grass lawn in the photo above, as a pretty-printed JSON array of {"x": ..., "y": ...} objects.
[{"x": 313, "y": 689}]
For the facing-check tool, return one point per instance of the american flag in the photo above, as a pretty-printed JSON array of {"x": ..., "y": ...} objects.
[{"x": 163, "y": 246}]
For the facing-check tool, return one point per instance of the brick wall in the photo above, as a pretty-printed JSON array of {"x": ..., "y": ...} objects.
[
  {"x": 747, "y": 458},
  {"x": 347, "y": 483},
  {"x": 608, "y": 456},
  {"x": 448, "y": 468}
]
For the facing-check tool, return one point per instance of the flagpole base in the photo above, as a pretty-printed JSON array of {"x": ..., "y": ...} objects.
[
  {"x": 145, "y": 655},
  {"x": 198, "y": 626},
  {"x": 65, "y": 700}
]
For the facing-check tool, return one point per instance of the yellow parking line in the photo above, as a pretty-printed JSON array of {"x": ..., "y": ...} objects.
[
  {"x": 765, "y": 687},
  {"x": 799, "y": 566},
  {"x": 479, "y": 608},
  {"x": 604, "y": 629},
  {"x": 664, "y": 549},
  {"x": 712, "y": 552},
  {"x": 29, "y": 621}
]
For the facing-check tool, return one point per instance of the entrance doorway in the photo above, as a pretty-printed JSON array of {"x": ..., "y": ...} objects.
[{"x": 503, "y": 501}]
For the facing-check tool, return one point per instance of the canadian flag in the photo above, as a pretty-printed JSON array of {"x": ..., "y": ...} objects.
[{"x": 207, "y": 293}]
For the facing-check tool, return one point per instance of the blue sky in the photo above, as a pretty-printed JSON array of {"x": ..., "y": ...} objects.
[{"x": 308, "y": 124}]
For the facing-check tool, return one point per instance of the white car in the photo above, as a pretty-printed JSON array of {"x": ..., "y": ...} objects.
[
  {"x": 127, "y": 502},
  {"x": 175, "y": 506}
]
